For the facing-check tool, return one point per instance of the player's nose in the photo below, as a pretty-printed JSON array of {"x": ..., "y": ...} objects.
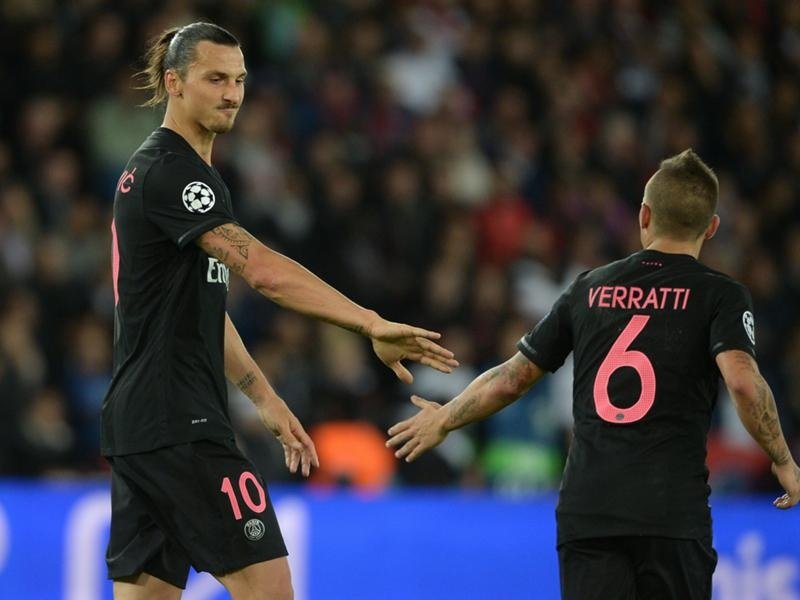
[{"x": 232, "y": 94}]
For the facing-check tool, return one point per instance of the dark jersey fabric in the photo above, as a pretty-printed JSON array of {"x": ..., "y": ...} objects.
[
  {"x": 168, "y": 384},
  {"x": 644, "y": 331}
]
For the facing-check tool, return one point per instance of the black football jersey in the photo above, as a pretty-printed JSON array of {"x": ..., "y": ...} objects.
[
  {"x": 168, "y": 385},
  {"x": 645, "y": 332}
]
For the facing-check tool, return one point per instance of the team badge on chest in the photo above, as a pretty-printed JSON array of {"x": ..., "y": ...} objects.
[{"x": 198, "y": 197}]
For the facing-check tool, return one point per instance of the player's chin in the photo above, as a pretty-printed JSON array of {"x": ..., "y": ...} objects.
[{"x": 223, "y": 125}]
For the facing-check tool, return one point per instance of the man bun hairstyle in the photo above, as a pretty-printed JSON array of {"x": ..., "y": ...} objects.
[
  {"x": 682, "y": 196},
  {"x": 175, "y": 49}
]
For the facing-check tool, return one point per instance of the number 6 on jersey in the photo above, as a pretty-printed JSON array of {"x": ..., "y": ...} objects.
[{"x": 618, "y": 357}]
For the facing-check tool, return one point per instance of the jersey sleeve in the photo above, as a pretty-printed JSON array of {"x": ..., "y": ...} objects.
[
  {"x": 184, "y": 200},
  {"x": 549, "y": 343},
  {"x": 733, "y": 323}
]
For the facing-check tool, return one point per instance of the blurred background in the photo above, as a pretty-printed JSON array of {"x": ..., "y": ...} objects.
[{"x": 449, "y": 163}]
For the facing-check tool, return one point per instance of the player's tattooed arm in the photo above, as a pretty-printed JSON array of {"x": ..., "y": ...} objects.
[
  {"x": 246, "y": 382},
  {"x": 229, "y": 244},
  {"x": 290, "y": 285},
  {"x": 241, "y": 369},
  {"x": 492, "y": 391},
  {"x": 756, "y": 407},
  {"x": 487, "y": 394},
  {"x": 755, "y": 403},
  {"x": 283, "y": 280}
]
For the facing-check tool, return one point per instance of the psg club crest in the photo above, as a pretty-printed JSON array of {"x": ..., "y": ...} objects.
[
  {"x": 198, "y": 197},
  {"x": 254, "y": 529}
]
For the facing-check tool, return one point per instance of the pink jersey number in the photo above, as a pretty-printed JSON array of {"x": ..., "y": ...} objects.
[
  {"x": 618, "y": 357},
  {"x": 227, "y": 488}
]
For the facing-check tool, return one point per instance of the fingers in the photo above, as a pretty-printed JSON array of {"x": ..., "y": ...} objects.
[
  {"x": 420, "y": 401},
  {"x": 398, "y": 427},
  {"x": 309, "y": 456},
  {"x": 408, "y": 448},
  {"x": 399, "y": 438},
  {"x": 432, "y": 348},
  {"x": 422, "y": 333},
  {"x": 402, "y": 373},
  {"x": 415, "y": 453},
  {"x": 784, "y": 502},
  {"x": 292, "y": 448},
  {"x": 435, "y": 363}
]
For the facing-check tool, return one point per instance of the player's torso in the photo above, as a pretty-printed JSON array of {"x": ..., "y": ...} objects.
[
  {"x": 645, "y": 386},
  {"x": 169, "y": 318}
]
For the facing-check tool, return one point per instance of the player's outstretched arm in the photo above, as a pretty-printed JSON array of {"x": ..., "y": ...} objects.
[
  {"x": 241, "y": 369},
  {"x": 755, "y": 405},
  {"x": 292, "y": 286},
  {"x": 488, "y": 393}
]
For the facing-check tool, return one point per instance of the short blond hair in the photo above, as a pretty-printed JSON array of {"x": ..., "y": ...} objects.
[{"x": 682, "y": 196}]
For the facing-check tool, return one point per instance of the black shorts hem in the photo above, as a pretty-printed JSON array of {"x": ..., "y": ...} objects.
[
  {"x": 246, "y": 562},
  {"x": 115, "y": 574}
]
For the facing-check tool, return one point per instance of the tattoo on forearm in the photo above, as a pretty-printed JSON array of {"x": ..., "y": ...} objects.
[
  {"x": 493, "y": 390},
  {"x": 468, "y": 408},
  {"x": 768, "y": 427},
  {"x": 245, "y": 382},
  {"x": 464, "y": 412},
  {"x": 762, "y": 414}
]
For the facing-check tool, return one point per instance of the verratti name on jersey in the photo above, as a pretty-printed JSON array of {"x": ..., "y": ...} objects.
[{"x": 630, "y": 297}]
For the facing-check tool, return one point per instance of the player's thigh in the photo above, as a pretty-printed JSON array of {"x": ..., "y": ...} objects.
[
  {"x": 674, "y": 569},
  {"x": 595, "y": 569},
  {"x": 209, "y": 499},
  {"x": 137, "y": 544},
  {"x": 145, "y": 587},
  {"x": 266, "y": 580}
]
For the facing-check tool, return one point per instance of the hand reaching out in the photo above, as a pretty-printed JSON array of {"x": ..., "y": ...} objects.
[
  {"x": 419, "y": 433},
  {"x": 395, "y": 342}
]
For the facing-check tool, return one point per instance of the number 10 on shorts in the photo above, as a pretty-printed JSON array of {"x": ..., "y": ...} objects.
[{"x": 244, "y": 492}]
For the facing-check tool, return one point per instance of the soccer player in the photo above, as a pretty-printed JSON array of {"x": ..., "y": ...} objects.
[
  {"x": 182, "y": 493},
  {"x": 651, "y": 335}
]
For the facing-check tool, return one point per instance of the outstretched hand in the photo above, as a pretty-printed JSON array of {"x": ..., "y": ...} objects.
[
  {"x": 395, "y": 342},
  {"x": 420, "y": 433},
  {"x": 298, "y": 448},
  {"x": 789, "y": 477}
]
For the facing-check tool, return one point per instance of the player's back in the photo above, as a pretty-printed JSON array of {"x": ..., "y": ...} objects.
[{"x": 645, "y": 331}]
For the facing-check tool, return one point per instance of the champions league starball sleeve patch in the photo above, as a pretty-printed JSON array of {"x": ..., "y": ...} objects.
[
  {"x": 749, "y": 326},
  {"x": 198, "y": 197}
]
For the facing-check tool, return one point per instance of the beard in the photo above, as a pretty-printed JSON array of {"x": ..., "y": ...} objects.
[
  {"x": 221, "y": 127},
  {"x": 221, "y": 123}
]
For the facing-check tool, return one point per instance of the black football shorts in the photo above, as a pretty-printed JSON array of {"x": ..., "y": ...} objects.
[
  {"x": 200, "y": 504},
  {"x": 636, "y": 568}
]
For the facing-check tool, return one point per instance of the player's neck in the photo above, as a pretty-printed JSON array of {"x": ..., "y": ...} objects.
[
  {"x": 668, "y": 246},
  {"x": 200, "y": 139}
]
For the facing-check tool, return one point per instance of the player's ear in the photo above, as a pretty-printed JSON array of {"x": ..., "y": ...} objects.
[
  {"x": 712, "y": 228},
  {"x": 645, "y": 215},
  {"x": 173, "y": 83}
]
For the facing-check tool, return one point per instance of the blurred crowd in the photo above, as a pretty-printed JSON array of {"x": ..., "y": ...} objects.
[{"x": 449, "y": 163}]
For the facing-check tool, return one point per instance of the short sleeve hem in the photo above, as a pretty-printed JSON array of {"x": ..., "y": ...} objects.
[
  {"x": 200, "y": 229},
  {"x": 722, "y": 347},
  {"x": 536, "y": 358}
]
